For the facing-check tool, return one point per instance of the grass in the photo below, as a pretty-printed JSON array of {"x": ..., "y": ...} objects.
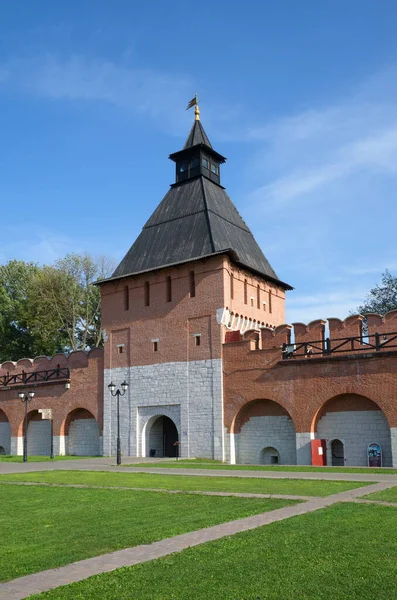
[
  {"x": 255, "y": 485},
  {"x": 201, "y": 463},
  {"x": 389, "y": 495},
  {"x": 43, "y": 528},
  {"x": 19, "y": 459},
  {"x": 346, "y": 551}
]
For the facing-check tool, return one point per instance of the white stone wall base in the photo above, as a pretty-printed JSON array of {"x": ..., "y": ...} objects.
[
  {"x": 5, "y": 437},
  {"x": 17, "y": 446},
  {"x": 356, "y": 430},
  {"x": 195, "y": 387},
  {"x": 303, "y": 448},
  {"x": 39, "y": 438},
  {"x": 393, "y": 439},
  {"x": 83, "y": 439},
  {"x": 258, "y": 433},
  {"x": 60, "y": 442}
]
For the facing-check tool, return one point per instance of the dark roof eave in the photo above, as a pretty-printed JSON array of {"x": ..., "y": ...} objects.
[
  {"x": 176, "y": 155},
  {"x": 179, "y": 262},
  {"x": 228, "y": 251}
]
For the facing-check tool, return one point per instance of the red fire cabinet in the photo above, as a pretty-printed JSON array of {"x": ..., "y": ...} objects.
[{"x": 319, "y": 453}]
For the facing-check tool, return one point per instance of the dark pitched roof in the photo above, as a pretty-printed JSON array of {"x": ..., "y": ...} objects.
[
  {"x": 196, "y": 136},
  {"x": 195, "y": 219}
]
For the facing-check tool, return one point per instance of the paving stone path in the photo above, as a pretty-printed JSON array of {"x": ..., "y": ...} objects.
[
  {"x": 107, "y": 464},
  {"x": 46, "y": 580}
]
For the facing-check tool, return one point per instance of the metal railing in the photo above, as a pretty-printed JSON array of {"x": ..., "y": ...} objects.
[
  {"x": 35, "y": 377},
  {"x": 326, "y": 347}
]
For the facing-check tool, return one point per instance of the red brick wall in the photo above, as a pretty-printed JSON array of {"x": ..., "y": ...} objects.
[
  {"x": 168, "y": 322},
  {"x": 250, "y": 309},
  {"x": 302, "y": 387},
  {"x": 86, "y": 389}
]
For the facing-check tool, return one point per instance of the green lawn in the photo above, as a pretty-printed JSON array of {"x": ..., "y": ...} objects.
[
  {"x": 19, "y": 459},
  {"x": 253, "y": 485},
  {"x": 344, "y": 552},
  {"x": 389, "y": 495},
  {"x": 42, "y": 528},
  {"x": 201, "y": 463}
]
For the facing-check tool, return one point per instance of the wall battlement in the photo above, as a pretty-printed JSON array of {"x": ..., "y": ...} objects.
[
  {"x": 324, "y": 337},
  {"x": 75, "y": 360}
]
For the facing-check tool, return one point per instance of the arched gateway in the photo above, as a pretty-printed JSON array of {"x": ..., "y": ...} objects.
[
  {"x": 82, "y": 433},
  {"x": 39, "y": 435},
  {"x": 161, "y": 437},
  {"x": 349, "y": 423},
  {"x": 264, "y": 433}
]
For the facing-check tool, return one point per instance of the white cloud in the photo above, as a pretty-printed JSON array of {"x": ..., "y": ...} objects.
[
  {"x": 323, "y": 305},
  {"x": 139, "y": 91},
  {"x": 311, "y": 151},
  {"x": 373, "y": 151},
  {"x": 33, "y": 243}
]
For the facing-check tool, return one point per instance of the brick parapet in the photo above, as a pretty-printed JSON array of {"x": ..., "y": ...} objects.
[
  {"x": 302, "y": 387},
  {"x": 85, "y": 392},
  {"x": 339, "y": 331}
]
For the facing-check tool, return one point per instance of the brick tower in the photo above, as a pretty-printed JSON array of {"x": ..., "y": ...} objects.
[{"x": 193, "y": 273}]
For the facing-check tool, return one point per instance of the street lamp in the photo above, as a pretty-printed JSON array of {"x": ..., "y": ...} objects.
[
  {"x": 25, "y": 399},
  {"x": 118, "y": 393}
]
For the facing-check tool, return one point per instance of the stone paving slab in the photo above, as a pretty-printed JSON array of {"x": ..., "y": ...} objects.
[
  {"x": 382, "y": 502},
  {"x": 21, "y": 588},
  {"x": 108, "y": 464},
  {"x": 139, "y": 489}
]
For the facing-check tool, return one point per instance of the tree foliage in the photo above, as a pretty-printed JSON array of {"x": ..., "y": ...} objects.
[
  {"x": 381, "y": 298},
  {"x": 50, "y": 309}
]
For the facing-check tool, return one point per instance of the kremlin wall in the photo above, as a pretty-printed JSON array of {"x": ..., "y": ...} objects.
[{"x": 193, "y": 319}]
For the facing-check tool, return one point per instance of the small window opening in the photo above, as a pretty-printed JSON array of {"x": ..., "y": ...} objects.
[
  {"x": 206, "y": 164},
  {"x": 120, "y": 349},
  {"x": 195, "y": 163},
  {"x": 155, "y": 346},
  {"x": 169, "y": 289},
  {"x": 258, "y": 296},
  {"x": 270, "y": 301},
  {"x": 252, "y": 301},
  {"x": 214, "y": 169},
  {"x": 126, "y": 298},
  {"x": 183, "y": 167},
  {"x": 192, "y": 284},
  {"x": 232, "y": 286},
  {"x": 245, "y": 291},
  {"x": 147, "y": 293},
  {"x": 197, "y": 340}
]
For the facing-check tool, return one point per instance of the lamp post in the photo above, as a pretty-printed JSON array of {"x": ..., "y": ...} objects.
[
  {"x": 25, "y": 398},
  {"x": 118, "y": 393}
]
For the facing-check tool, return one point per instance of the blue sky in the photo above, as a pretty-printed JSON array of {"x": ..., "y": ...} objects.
[{"x": 300, "y": 96}]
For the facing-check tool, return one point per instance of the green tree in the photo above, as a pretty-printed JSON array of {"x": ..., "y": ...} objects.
[
  {"x": 381, "y": 298},
  {"x": 66, "y": 304},
  {"x": 16, "y": 337}
]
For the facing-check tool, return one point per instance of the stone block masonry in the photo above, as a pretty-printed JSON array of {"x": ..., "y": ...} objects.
[
  {"x": 83, "y": 438},
  {"x": 190, "y": 393},
  {"x": 5, "y": 437},
  {"x": 39, "y": 438},
  {"x": 258, "y": 433},
  {"x": 356, "y": 430}
]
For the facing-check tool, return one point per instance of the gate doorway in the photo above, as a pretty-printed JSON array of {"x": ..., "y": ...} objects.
[
  {"x": 163, "y": 438},
  {"x": 337, "y": 453}
]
